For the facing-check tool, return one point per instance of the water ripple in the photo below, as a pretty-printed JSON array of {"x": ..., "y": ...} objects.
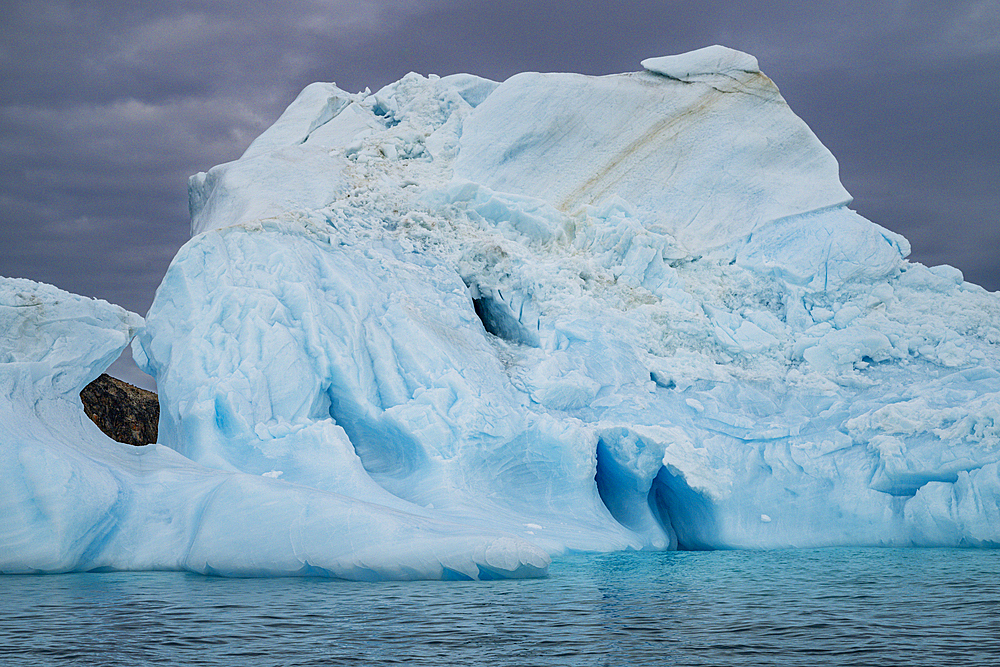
[{"x": 818, "y": 607}]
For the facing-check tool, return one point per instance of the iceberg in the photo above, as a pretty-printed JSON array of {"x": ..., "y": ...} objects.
[{"x": 456, "y": 327}]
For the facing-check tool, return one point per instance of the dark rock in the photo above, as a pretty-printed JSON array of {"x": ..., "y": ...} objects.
[{"x": 124, "y": 412}]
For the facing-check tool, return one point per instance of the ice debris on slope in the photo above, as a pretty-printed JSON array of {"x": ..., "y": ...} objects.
[{"x": 613, "y": 312}]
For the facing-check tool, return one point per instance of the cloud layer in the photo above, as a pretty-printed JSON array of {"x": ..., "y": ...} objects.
[{"x": 106, "y": 108}]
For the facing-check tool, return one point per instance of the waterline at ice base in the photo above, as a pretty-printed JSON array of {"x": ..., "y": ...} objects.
[{"x": 454, "y": 328}]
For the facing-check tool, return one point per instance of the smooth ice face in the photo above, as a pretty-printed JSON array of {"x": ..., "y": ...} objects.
[
  {"x": 74, "y": 500},
  {"x": 706, "y": 161}
]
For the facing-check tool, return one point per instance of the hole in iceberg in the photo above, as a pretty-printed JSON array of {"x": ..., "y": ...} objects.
[
  {"x": 613, "y": 484},
  {"x": 499, "y": 320},
  {"x": 688, "y": 513}
]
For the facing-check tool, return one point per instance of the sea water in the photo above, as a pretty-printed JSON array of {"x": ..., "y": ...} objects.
[{"x": 796, "y": 607}]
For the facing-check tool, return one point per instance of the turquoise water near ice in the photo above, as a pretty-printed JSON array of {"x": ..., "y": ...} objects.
[{"x": 796, "y": 607}]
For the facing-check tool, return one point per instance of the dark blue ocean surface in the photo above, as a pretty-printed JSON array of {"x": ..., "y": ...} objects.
[{"x": 798, "y": 607}]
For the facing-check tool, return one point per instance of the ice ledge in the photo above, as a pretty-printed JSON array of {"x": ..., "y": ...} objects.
[
  {"x": 713, "y": 59},
  {"x": 66, "y": 340}
]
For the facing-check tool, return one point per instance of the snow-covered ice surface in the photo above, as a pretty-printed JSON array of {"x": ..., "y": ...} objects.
[{"x": 594, "y": 313}]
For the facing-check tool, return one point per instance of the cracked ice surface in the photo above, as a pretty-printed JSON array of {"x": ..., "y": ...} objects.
[{"x": 595, "y": 313}]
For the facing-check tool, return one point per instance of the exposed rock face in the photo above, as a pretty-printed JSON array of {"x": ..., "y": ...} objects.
[{"x": 124, "y": 412}]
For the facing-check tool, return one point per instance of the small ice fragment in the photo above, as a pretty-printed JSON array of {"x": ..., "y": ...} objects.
[
  {"x": 695, "y": 404},
  {"x": 765, "y": 518},
  {"x": 274, "y": 474}
]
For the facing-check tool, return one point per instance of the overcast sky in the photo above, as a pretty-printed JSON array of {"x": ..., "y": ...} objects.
[{"x": 107, "y": 107}]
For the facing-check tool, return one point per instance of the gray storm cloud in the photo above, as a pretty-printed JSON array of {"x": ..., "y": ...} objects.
[{"x": 106, "y": 109}]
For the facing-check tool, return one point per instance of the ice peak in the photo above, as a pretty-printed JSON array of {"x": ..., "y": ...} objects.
[{"x": 715, "y": 59}]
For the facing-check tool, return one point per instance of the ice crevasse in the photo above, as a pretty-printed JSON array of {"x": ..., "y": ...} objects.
[{"x": 454, "y": 327}]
